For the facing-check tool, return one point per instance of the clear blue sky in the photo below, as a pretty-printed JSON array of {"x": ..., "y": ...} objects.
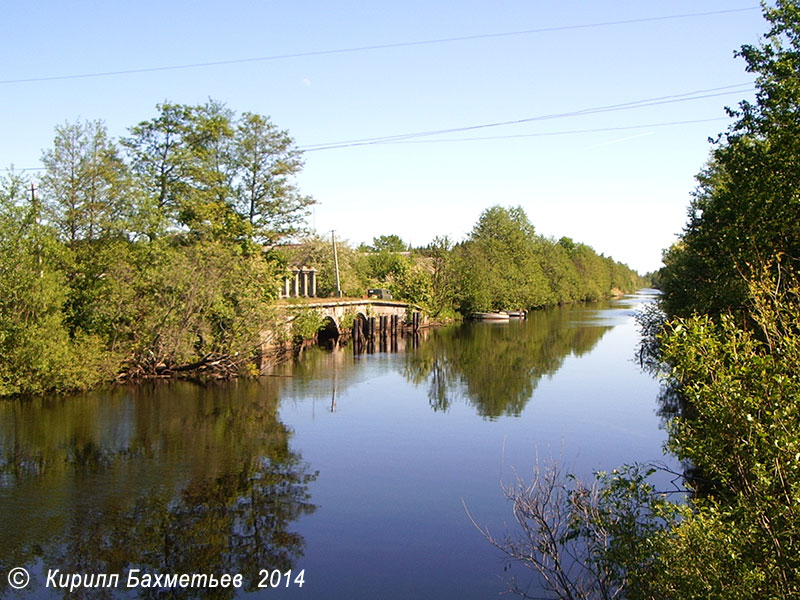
[{"x": 624, "y": 190}]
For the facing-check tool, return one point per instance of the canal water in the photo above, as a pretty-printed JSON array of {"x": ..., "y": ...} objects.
[{"x": 351, "y": 474}]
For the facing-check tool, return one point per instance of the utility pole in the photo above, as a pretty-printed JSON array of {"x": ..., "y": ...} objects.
[
  {"x": 36, "y": 237},
  {"x": 336, "y": 264}
]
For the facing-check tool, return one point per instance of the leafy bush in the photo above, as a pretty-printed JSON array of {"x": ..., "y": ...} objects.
[{"x": 306, "y": 324}]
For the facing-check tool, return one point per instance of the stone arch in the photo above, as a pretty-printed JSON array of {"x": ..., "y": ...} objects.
[
  {"x": 362, "y": 321},
  {"x": 329, "y": 332}
]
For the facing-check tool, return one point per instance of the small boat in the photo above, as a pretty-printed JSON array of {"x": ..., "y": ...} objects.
[
  {"x": 517, "y": 314},
  {"x": 490, "y": 316}
]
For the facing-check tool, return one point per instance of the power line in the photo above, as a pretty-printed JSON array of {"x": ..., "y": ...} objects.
[
  {"x": 499, "y": 137},
  {"x": 447, "y": 40},
  {"x": 23, "y": 170},
  {"x": 409, "y": 137},
  {"x": 696, "y": 95},
  {"x": 558, "y": 133}
]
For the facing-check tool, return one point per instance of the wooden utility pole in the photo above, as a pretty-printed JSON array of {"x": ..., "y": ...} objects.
[
  {"x": 36, "y": 236},
  {"x": 336, "y": 264}
]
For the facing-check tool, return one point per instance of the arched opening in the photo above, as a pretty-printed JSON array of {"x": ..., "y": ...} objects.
[
  {"x": 328, "y": 333},
  {"x": 361, "y": 327}
]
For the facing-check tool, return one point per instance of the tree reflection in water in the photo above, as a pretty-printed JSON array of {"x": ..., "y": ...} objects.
[
  {"x": 494, "y": 366},
  {"x": 204, "y": 482},
  {"x": 497, "y": 367}
]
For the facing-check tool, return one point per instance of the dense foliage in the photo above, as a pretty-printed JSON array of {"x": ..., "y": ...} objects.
[
  {"x": 144, "y": 257},
  {"x": 502, "y": 265},
  {"x": 745, "y": 210},
  {"x": 728, "y": 345},
  {"x": 740, "y": 432},
  {"x": 731, "y": 349},
  {"x": 38, "y": 352},
  {"x": 505, "y": 265}
]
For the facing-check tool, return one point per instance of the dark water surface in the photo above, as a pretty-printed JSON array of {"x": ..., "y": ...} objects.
[{"x": 354, "y": 470}]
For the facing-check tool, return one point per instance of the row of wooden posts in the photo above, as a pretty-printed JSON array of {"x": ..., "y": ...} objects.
[{"x": 382, "y": 326}]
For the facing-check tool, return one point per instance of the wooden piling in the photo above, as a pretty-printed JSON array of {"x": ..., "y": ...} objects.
[{"x": 384, "y": 327}]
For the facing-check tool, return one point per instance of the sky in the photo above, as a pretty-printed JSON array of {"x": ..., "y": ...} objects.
[{"x": 593, "y": 116}]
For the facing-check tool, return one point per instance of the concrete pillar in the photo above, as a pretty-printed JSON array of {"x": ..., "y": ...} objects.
[
  {"x": 286, "y": 288},
  {"x": 296, "y": 288},
  {"x": 313, "y": 274},
  {"x": 304, "y": 275}
]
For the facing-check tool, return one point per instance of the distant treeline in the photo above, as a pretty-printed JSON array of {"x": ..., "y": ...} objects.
[
  {"x": 162, "y": 253},
  {"x": 502, "y": 265}
]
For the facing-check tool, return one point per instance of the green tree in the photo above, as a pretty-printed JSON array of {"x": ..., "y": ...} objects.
[
  {"x": 414, "y": 285},
  {"x": 500, "y": 264},
  {"x": 443, "y": 276},
  {"x": 207, "y": 203},
  {"x": 732, "y": 352},
  {"x": 595, "y": 280},
  {"x": 740, "y": 434},
  {"x": 159, "y": 155},
  {"x": 562, "y": 276},
  {"x": 151, "y": 268},
  {"x": 38, "y": 352},
  {"x": 266, "y": 161},
  {"x": 188, "y": 308},
  {"x": 744, "y": 211},
  {"x": 85, "y": 183},
  {"x": 388, "y": 243},
  {"x": 381, "y": 268},
  {"x": 216, "y": 174}
]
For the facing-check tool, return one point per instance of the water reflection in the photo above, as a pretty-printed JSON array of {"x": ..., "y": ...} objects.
[
  {"x": 494, "y": 366},
  {"x": 497, "y": 367},
  {"x": 176, "y": 478},
  {"x": 416, "y": 435},
  {"x": 204, "y": 482},
  {"x": 324, "y": 372}
]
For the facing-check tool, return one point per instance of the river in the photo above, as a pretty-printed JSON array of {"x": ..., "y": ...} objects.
[{"x": 349, "y": 474}]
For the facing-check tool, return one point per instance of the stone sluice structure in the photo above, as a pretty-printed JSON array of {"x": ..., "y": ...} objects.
[{"x": 369, "y": 324}]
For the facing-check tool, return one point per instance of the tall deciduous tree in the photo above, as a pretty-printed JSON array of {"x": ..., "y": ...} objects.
[
  {"x": 266, "y": 161},
  {"x": 389, "y": 243},
  {"x": 217, "y": 175},
  {"x": 85, "y": 184},
  {"x": 159, "y": 153}
]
